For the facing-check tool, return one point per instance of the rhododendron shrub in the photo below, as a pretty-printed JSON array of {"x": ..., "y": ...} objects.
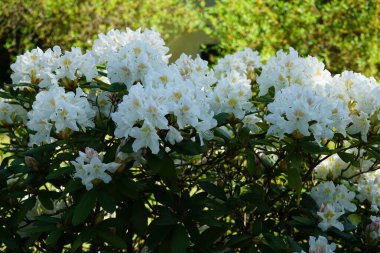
[{"x": 117, "y": 149}]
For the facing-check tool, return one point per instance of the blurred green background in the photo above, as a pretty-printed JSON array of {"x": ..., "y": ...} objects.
[{"x": 344, "y": 34}]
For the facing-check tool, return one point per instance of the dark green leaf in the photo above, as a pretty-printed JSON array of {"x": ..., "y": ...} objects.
[
  {"x": 83, "y": 237},
  {"x": 107, "y": 201},
  {"x": 157, "y": 234},
  {"x": 275, "y": 243},
  {"x": 25, "y": 207},
  {"x": 294, "y": 179},
  {"x": 213, "y": 190},
  {"x": 139, "y": 217},
  {"x": 115, "y": 87},
  {"x": 210, "y": 235},
  {"x": 85, "y": 206},
  {"x": 189, "y": 148},
  {"x": 59, "y": 172},
  {"x": 179, "y": 240},
  {"x": 348, "y": 158},
  {"x": 163, "y": 165},
  {"x": 293, "y": 244},
  {"x": 113, "y": 239},
  {"x": 221, "y": 118}
]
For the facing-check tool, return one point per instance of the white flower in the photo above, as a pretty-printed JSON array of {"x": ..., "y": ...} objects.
[
  {"x": 146, "y": 136},
  {"x": 64, "y": 111},
  {"x": 173, "y": 136},
  {"x": 298, "y": 109},
  {"x": 244, "y": 62},
  {"x": 36, "y": 67},
  {"x": 11, "y": 113},
  {"x": 89, "y": 167},
  {"x": 329, "y": 216},
  {"x": 284, "y": 70},
  {"x": 360, "y": 125},
  {"x": 320, "y": 245}
]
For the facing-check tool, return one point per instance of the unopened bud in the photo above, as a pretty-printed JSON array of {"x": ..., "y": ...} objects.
[{"x": 31, "y": 163}]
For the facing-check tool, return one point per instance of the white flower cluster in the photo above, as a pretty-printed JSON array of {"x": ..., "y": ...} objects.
[
  {"x": 60, "y": 111},
  {"x": 169, "y": 90},
  {"x": 302, "y": 103},
  {"x": 334, "y": 167},
  {"x": 373, "y": 229},
  {"x": 45, "y": 69},
  {"x": 285, "y": 70},
  {"x": 333, "y": 201},
  {"x": 369, "y": 189},
  {"x": 107, "y": 44},
  {"x": 320, "y": 245},
  {"x": 243, "y": 62},
  {"x": 11, "y": 113},
  {"x": 89, "y": 167},
  {"x": 361, "y": 95},
  {"x": 345, "y": 103}
]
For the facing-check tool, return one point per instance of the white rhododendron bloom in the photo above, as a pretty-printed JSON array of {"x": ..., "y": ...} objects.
[
  {"x": 333, "y": 201},
  {"x": 11, "y": 113},
  {"x": 284, "y": 70},
  {"x": 36, "y": 67},
  {"x": 300, "y": 110},
  {"x": 231, "y": 94},
  {"x": 320, "y": 245},
  {"x": 369, "y": 189},
  {"x": 162, "y": 90},
  {"x": 45, "y": 69},
  {"x": 133, "y": 62},
  {"x": 329, "y": 215},
  {"x": 89, "y": 167},
  {"x": 243, "y": 62},
  {"x": 339, "y": 196},
  {"x": 110, "y": 43},
  {"x": 251, "y": 121},
  {"x": 73, "y": 64},
  {"x": 65, "y": 111}
]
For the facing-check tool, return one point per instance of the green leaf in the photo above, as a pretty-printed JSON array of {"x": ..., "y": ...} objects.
[
  {"x": 179, "y": 240},
  {"x": 59, "y": 172},
  {"x": 252, "y": 169},
  {"x": 163, "y": 165},
  {"x": 293, "y": 244},
  {"x": 355, "y": 219},
  {"x": 54, "y": 236},
  {"x": 238, "y": 241},
  {"x": 139, "y": 217},
  {"x": 221, "y": 118},
  {"x": 25, "y": 207},
  {"x": 213, "y": 190},
  {"x": 348, "y": 158},
  {"x": 257, "y": 227},
  {"x": 45, "y": 199},
  {"x": 83, "y": 237},
  {"x": 85, "y": 206},
  {"x": 189, "y": 148},
  {"x": 275, "y": 243},
  {"x": 294, "y": 179},
  {"x": 210, "y": 235},
  {"x": 156, "y": 234},
  {"x": 113, "y": 239},
  {"x": 107, "y": 201},
  {"x": 313, "y": 148},
  {"x": 304, "y": 221},
  {"x": 115, "y": 87},
  {"x": 73, "y": 185}
]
